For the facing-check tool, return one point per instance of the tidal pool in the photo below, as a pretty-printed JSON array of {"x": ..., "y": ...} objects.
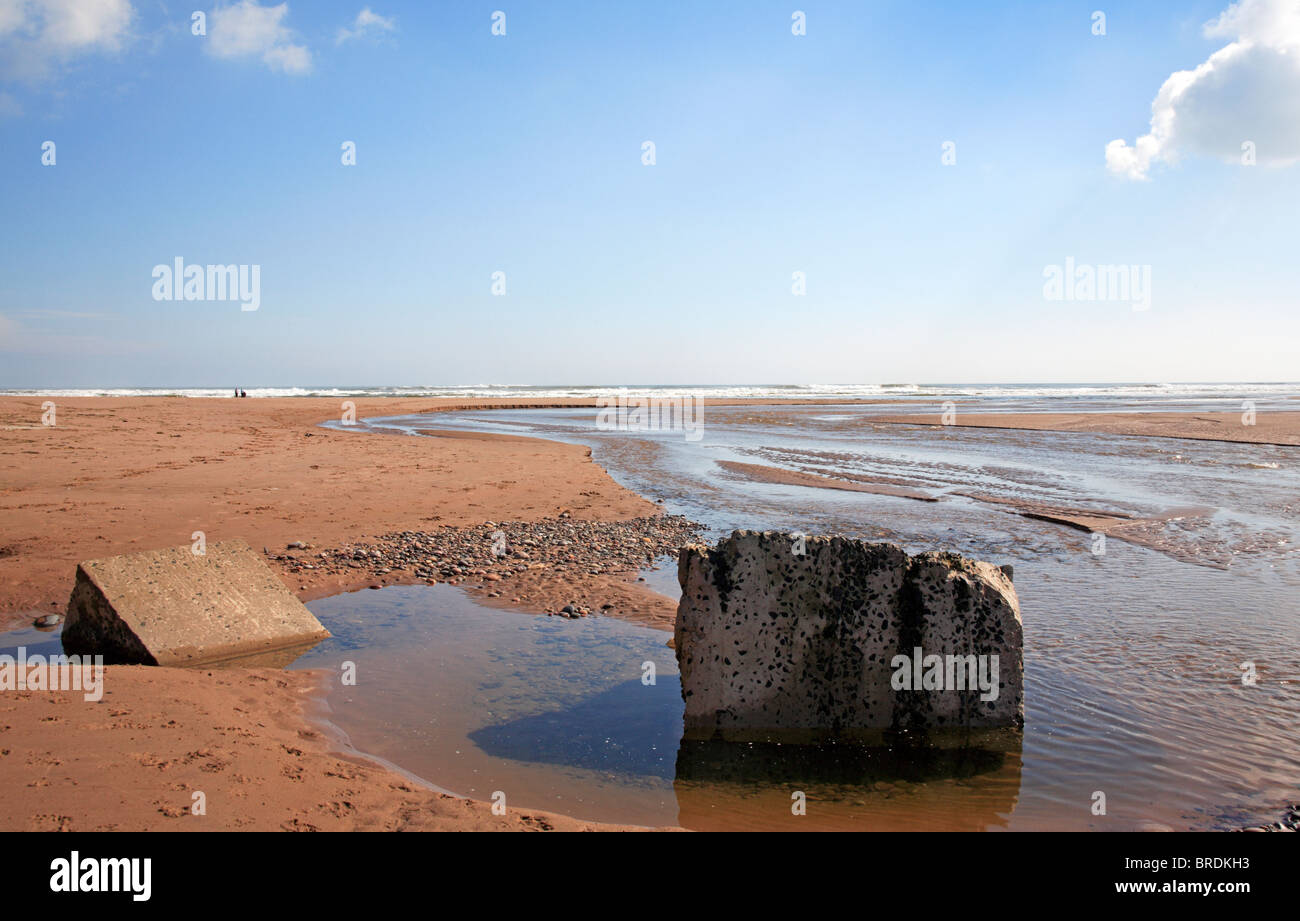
[
  {"x": 1161, "y": 672},
  {"x": 584, "y": 717}
]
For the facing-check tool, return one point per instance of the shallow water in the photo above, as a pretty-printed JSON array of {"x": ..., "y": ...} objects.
[
  {"x": 466, "y": 695},
  {"x": 1133, "y": 655},
  {"x": 562, "y": 715},
  {"x": 37, "y": 641}
]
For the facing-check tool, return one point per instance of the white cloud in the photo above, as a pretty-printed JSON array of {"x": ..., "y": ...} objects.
[
  {"x": 1247, "y": 91},
  {"x": 366, "y": 21},
  {"x": 248, "y": 29},
  {"x": 38, "y": 35},
  {"x": 85, "y": 23}
]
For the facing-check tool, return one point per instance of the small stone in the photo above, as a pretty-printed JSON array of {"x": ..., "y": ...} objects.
[{"x": 49, "y": 620}]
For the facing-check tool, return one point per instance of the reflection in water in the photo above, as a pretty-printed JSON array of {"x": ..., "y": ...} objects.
[
  {"x": 281, "y": 657},
  {"x": 555, "y": 713},
  {"x": 36, "y": 640},
  {"x": 1134, "y": 649},
  {"x": 922, "y": 785},
  {"x": 48, "y": 641},
  {"x": 611, "y": 730},
  {"x": 550, "y": 711}
]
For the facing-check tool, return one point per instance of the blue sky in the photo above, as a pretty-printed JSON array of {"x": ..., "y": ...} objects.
[{"x": 775, "y": 153}]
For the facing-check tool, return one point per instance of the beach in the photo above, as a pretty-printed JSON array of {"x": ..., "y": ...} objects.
[
  {"x": 118, "y": 475},
  {"x": 605, "y": 417},
  {"x": 244, "y": 738}
]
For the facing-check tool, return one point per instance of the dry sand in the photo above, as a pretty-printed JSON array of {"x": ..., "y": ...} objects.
[{"x": 120, "y": 475}]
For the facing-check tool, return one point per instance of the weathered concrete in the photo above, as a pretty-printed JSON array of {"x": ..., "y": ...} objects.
[
  {"x": 172, "y": 607},
  {"x": 820, "y": 644}
]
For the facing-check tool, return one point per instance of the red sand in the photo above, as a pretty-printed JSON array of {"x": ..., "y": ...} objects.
[{"x": 119, "y": 475}]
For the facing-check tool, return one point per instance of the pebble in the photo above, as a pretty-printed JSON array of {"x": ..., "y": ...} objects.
[
  {"x": 564, "y": 546},
  {"x": 49, "y": 620},
  {"x": 1290, "y": 822}
]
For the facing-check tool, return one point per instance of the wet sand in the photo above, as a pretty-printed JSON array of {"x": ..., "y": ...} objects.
[
  {"x": 241, "y": 737},
  {"x": 764, "y": 474},
  {"x": 1123, "y": 525},
  {"x": 1269, "y": 428},
  {"x": 120, "y": 475}
]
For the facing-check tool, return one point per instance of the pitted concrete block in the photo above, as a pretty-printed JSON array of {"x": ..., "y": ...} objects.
[{"x": 831, "y": 637}]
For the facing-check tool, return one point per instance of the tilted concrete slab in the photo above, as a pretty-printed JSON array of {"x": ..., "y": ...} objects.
[{"x": 173, "y": 607}]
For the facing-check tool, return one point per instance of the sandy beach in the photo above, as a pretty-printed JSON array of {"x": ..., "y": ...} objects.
[
  {"x": 697, "y": 418},
  {"x": 121, "y": 475},
  {"x": 244, "y": 738},
  {"x": 115, "y": 476}
]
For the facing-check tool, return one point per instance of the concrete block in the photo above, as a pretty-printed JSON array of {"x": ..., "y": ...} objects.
[
  {"x": 819, "y": 638},
  {"x": 173, "y": 607}
]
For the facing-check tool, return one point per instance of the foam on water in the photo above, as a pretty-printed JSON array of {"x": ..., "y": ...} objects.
[{"x": 1164, "y": 392}]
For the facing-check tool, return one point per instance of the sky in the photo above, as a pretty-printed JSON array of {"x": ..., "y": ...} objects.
[{"x": 926, "y": 168}]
